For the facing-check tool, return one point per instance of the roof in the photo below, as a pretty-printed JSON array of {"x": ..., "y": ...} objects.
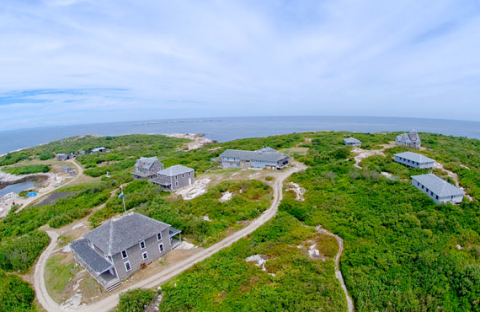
[
  {"x": 249, "y": 155},
  {"x": 97, "y": 149},
  {"x": 266, "y": 149},
  {"x": 125, "y": 231},
  {"x": 174, "y": 170},
  {"x": 415, "y": 157},
  {"x": 61, "y": 154},
  {"x": 95, "y": 261},
  {"x": 147, "y": 162},
  {"x": 352, "y": 140},
  {"x": 438, "y": 186}
]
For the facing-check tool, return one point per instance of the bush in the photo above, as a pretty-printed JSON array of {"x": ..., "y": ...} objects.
[
  {"x": 135, "y": 300},
  {"x": 19, "y": 254},
  {"x": 15, "y": 294},
  {"x": 27, "y": 169}
]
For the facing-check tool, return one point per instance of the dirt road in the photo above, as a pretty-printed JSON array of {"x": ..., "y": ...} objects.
[
  {"x": 31, "y": 200},
  {"x": 110, "y": 302},
  {"x": 338, "y": 273}
]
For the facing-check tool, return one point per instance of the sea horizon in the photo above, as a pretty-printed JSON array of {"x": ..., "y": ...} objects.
[{"x": 230, "y": 128}]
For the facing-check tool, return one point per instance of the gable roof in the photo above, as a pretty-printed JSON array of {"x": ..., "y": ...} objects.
[
  {"x": 249, "y": 155},
  {"x": 352, "y": 140},
  {"x": 146, "y": 162},
  {"x": 174, "y": 170},
  {"x": 415, "y": 157},
  {"x": 123, "y": 232},
  {"x": 438, "y": 186}
]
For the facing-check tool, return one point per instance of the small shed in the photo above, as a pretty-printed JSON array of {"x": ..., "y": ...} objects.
[{"x": 352, "y": 142}]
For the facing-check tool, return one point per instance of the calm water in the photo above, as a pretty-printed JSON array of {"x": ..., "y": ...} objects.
[
  {"x": 226, "y": 129},
  {"x": 17, "y": 188}
]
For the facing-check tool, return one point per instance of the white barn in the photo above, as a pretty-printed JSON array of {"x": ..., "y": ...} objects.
[
  {"x": 439, "y": 190},
  {"x": 414, "y": 160}
]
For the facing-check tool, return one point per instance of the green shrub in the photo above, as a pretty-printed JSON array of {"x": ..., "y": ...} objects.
[
  {"x": 19, "y": 254},
  {"x": 135, "y": 300},
  {"x": 27, "y": 169},
  {"x": 15, "y": 294}
]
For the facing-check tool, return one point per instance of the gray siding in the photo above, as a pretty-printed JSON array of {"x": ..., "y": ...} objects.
[
  {"x": 237, "y": 163},
  {"x": 179, "y": 180},
  {"x": 414, "y": 164},
  {"x": 437, "y": 199},
  {"x": 135, "y": 254}
]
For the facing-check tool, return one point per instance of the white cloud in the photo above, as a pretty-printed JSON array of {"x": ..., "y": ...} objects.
[{"x": 214, "y": 58}]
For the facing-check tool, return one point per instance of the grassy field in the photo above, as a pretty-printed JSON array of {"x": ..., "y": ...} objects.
[{"x": 58, "y": 273}]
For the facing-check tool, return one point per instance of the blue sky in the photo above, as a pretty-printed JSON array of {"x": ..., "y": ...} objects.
[{"x": 87, "y": 61}]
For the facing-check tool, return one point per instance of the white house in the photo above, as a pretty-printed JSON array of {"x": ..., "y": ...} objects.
[
  {"x": 414, "y": 160},
  {"x": 439, "y": 190}
]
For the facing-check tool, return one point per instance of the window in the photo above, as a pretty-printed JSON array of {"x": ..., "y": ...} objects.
[
  {"x": 142, "y": 245},
  {"x": 159, "y": 236},
  {"x": 431, "y": 193},
  {"x": 176, "y": 183},
  {"x": 124, "y": 254},
  {"x": 128, "y": 267},
  {"x": 427, "y": 190},
  {"x": 423, "y": 187},
  {"x": 176, "y": 177},
  {"x": 436, "y": 197},
  {"x": 183, "y": 175},
  {"x": 145, "y": 255},
  {"x": 160, "y": 247}
]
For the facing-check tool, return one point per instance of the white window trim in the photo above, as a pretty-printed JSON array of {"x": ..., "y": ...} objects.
[
  {"x": 159, "y": 236},
  {"x": 140, "y": 245},
  {"x": 176, "y": 183},
  {"x": 160, "y": 248},
  {"x": 143, "y": 255},
  {"x": 125, "y": 253},
  {"x": 125, "y": 265}
]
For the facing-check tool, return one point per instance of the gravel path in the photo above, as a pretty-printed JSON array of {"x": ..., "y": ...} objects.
[
  {"x": 338, "y": 273},
  {"x": 110, "y": 302}
]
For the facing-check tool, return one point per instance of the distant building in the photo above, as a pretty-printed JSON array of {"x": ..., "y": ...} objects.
[
  {"x": 414, "y": 160},
  {"x": 68, "y": 170},
  {"x": 440, "y": 191},
  {"x": 98, "y": 150},
  {"x": 147, "y": 167},
  {"x": 174, "y": 177},
  {"x": 121, "y": 246},
  {"x": 411, "y": 139},
  {"x": 352, "y": 142},
  {"x": 255, "y": 159},
  {"x": 63, "y": 157},
  {"x": 267, "y": 149}
]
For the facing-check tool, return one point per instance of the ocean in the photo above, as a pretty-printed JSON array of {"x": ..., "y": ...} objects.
[{"x": 231, "y": 128}]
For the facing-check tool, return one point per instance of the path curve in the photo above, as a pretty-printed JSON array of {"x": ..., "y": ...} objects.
[
  {"x": 338, "y": 273},
  {"x": 37, "y": 199},
  {"x": 111, "y": 302}
]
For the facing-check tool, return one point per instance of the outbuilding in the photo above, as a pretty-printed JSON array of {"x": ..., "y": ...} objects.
[
  {"x": 414, "y": 160},
  {"x": 439, "y": 190},
  {"x": 352, "y": 142}
]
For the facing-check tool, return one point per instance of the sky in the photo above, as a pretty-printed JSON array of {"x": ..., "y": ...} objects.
[{"x": 87, "y": 61}]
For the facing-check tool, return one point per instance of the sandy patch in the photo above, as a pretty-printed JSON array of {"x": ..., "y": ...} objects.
[
  {"x": 452, "y": 175},
  {"x": 253, "y": 175},
  {"x": 73, "y": 303},
  {"x": 185, "y": 246},
  {"x": 206, "y": 218},
  {"x": 226, "y": 197},
  {"x": 196, "y": 189},
  {"x": 387, "y": 175},
  {"x": 78, "y": 225},
  {"x": 259, "y": 261},
  {"x": 198, "y": 139},
  {"x": 463, "y": 166},
  {"x": 299, "y": 191}
]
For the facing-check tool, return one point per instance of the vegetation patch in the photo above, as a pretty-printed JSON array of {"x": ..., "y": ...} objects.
[
  {"x": 29, "y": 169},
  {"x": 58, "y": 274},
  {"x": 291, "y": 282},
  {"x": 15, "y": 294},
  {"x": 20, "y": 253},
  {"x": 135, "y": 300}
]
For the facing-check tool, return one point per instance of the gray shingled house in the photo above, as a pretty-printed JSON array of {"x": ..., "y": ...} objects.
[
  {"x": 98, "y": 150},
  {"x": 63, "y": 157},
  {"x": 414, "y": 160},
  {"x": 411, "y": 139},
  {"x": 440, "y": 191},
  {"x": 352, "y": 142},
  {"x": 124, "y": 244},
  {"x": 174, "y": 177},
  {"x": 147, "y": 167},
  {"x": 255, "y": 159}
]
